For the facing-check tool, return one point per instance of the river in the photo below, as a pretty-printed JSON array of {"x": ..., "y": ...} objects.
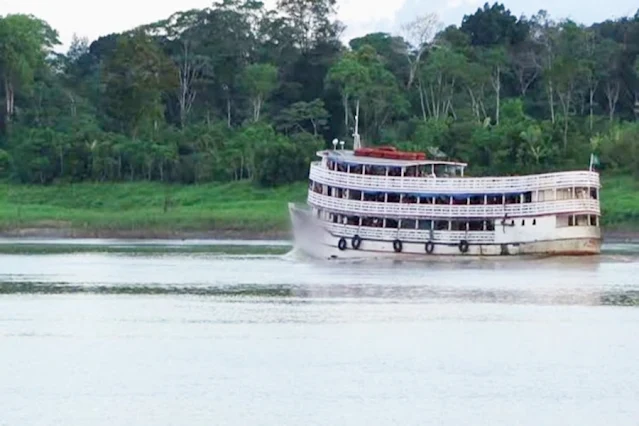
[{"x": 233, "y": 333}]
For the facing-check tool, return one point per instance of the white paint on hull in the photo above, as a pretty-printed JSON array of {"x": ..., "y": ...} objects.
[{"x": 312, "y": 237}]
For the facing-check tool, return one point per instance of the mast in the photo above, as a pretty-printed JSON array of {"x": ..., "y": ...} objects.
[{"x": 357, "y": 143}]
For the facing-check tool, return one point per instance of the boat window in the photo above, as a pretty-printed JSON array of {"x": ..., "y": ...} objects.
[
  {"x": 477, "y": 199},
  {"x": 441, "y": 225},
  {"x": 476, "y": 225},
  {"x": 495, "y": 199},
  {"x": 582, "y": 220},
  {"x": 426, "y": 200},
  {"x": 523, "y": 223},
  {"x": 356, "y": 170},
  {"x": 408, "y": 224},
  {"x": 571, "y": 220},
  {"x": 490, "y": 225},
  {"x": 393, "y": 198},
  {"x": 426, "y": 225},
  {"x": 528, "y": 197},
  {"x": 457, "y": 225},
  {"x": 411, "y": 171},
  {"x": 513, "y": 199},
  {"x": 593, "y": 193},
  {"x": 534, "y": 222},
  {"x": 593, "y": 220},
  {"x": 394, "y": 171},
  {"x": 352, "y": 220},
  {"x": 444, "y": 200},
  {"x": 392, "y": 223},
  {"x": 370, "y": 196},
  {"x": 354, "y": 194}
]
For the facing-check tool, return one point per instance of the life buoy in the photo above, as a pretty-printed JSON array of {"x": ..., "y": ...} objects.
[
  {"x": 341, "y": 244},
  {"x": 430, "y": 246},
  {"x": 356, "y": 242},
  {"x": 397, "y": 246},
  {"x": 463, "y": 246}
]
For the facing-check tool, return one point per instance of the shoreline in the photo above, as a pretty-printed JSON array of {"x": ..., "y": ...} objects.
[{"x": 612, "y": 235}]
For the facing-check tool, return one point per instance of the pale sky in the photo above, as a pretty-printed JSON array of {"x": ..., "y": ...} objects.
[{"x": 92, "y": 19}]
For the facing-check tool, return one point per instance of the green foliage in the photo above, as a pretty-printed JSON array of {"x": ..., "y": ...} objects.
[
  {"x": 259, "y": 80},
  {"x": 134, "y": 78},
  {"x": 237, "y": 92}
]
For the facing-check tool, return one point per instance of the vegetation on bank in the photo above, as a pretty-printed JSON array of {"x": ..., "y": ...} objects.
[
  {"x": 149, "y": 207},
  {"x": 208, "y": 119},
  {"x": 237, "y": 91},
  {"x": 160, "y": 209}
]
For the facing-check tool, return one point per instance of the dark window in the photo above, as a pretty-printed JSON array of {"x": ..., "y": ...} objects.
[
  {"x": 408, "y": 223},
  {"x": 392, "y": 223},
  {"x": 528, "y": 197},
  {"x": 393, "y": 198},
  {"x": 425, "y": 225},
  {"x": 476, "y": 225},
  {"x": 534, "y": 221},
  {"x": 441, "y": 225}
]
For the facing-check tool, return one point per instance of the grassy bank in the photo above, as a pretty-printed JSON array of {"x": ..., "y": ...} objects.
[
  {"x": 148, "y": 209},
  {"x": 237, "y": 209}
]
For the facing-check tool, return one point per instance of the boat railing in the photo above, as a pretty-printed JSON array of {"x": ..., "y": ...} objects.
[
  {"x": 376, "y": 208},
  {"x": 386, "y": 234},
  {"x": 476, "y": 185}
]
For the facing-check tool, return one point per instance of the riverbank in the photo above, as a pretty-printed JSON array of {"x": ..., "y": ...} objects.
[{"x": 143, "y": 210}]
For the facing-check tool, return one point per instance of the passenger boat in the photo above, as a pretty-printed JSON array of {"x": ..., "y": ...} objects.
[{"x": 382, "y": 202}]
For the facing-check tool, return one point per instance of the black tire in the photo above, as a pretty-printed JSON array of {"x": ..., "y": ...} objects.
[
  {"x": 356, "y": 242},
  {"x": 397, "y": 246},
  {"x": 341, "y": 244},
  {"x": 430, "y": 246},
  {"x": 463, "y": 246}
]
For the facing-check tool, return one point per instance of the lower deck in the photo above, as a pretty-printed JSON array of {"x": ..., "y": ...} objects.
[{"x": 553, "y": 234}]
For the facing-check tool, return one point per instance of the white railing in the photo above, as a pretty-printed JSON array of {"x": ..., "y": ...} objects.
[
  {"x": 414, "y": 235},
  {"x": 381, "y": 209},
  {"x": 467, "y": 185}
]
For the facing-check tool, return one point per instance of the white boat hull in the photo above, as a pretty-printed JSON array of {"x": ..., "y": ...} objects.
[{"x": 316, "y": 239}]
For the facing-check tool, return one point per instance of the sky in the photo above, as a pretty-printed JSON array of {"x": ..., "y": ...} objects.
[{"x": 93, "y": 19}]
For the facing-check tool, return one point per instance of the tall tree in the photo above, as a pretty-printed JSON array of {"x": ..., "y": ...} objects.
[
  {"x": 260, "y": 80},
  {"x": 25, "y": 43},
  {"x": 135, "y": 77}
]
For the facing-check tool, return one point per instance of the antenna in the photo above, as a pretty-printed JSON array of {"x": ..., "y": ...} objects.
[{"x": 356, "y": 141}]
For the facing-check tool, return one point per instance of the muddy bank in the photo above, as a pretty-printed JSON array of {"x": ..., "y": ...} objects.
[{"x": 218, "y": 234}]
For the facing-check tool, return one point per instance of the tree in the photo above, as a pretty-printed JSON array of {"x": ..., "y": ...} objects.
[
  {"x": 260, "y": 81},
  {"x": 495, "y": 60},
  {"x": 494, "y": 26},
  {"x": 568, "y": 69},
  {"x": 26, "y": 42},
  {"x": 418, "y": 34},
  {"x": 442, "y": 73},
  {"x": 184, "y": 43},
  {"x": 135, "y": 77},
  {"x": 311, "y": 20},
  {"x": 302, "y": 113},
  {"x": 351, "y": 77}
]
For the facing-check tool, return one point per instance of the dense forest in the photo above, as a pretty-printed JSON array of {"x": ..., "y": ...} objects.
[{"x": 237, "y": 91}]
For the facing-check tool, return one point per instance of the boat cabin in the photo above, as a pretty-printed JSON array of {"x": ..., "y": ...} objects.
[{"x": 389, "y": 163}]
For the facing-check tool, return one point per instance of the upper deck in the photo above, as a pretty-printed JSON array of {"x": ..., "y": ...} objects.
[{"x": 343, "y": 169}]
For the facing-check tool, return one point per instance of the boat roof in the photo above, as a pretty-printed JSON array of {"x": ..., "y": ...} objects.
[{"x": 349, "y": 157}]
